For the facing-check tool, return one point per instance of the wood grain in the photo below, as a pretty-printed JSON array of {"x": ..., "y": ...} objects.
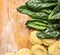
[{"x": 13, "y": 32}]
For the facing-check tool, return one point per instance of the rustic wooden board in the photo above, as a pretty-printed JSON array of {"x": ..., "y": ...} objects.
[{"x": 13, "y": 32}]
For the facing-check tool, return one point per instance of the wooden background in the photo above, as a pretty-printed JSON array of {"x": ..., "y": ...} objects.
[{"x": 13, "y": 32}]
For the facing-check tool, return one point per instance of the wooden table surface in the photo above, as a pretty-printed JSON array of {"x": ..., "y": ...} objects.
[{"x": 13, "y": 32}]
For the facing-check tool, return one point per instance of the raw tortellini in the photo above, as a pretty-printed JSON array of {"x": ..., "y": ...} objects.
[
  {"x": 38, "y": 50},
  {"x": 54, "y": 49},
  {"x": 34, "y": 39},
  {"x": 59, "y": 43},
  {"x": 48, "y": 42},
  {"x": 24, "y": 51}
]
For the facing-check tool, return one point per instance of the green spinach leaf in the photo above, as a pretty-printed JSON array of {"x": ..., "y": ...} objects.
[
  {"x": 55, "y": 14},
  {"x": 49, "y": 33},
  {"x": 37, "y": 5},
  {"x": 37, "y": 24},
  {"x": 46, "y": 17},
  {"x": 43, "y": 14}
]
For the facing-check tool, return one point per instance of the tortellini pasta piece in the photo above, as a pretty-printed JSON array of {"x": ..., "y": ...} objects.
[
  {"x": 54, "y": 49},
  {"x": 59, "y": 43},
  {"x": 24, "y": 51},
  {"x": 9, "y": 54},
  {"x": 34, "y": 39},
  {"x": 48, "y": 42},
  {"x": 38, "y": 50}
]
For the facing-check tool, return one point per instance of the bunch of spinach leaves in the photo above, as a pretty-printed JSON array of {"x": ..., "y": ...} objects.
[{"x": 45, "y": 16}]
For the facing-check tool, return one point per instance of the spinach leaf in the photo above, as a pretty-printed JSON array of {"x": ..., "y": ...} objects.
[
  {"x": 46, "y": 17},
  {"x": 56, "y": 26},
  {"x": 37, "y": 5},
  {"x": 55, "y": 14},
  {"x": 43, "y": 14},
  {"x": 53, "y": 21},
  {"x": 47, "y": 11},
  {"x": 49, "y": 33},
  {"x": 37, "y": 24}
]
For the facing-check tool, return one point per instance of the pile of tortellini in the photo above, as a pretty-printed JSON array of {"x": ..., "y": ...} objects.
[{"x": 40, "y": 46}]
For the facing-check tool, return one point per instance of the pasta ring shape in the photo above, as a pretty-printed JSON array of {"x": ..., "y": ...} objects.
[
  {"x": 24, "y": 51},
  {"x": 54, "y": 49},
  {"x": 48, "y": 42},
  {"x": 34, "y": 39},
  {"x": 38, "y": 50}
]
